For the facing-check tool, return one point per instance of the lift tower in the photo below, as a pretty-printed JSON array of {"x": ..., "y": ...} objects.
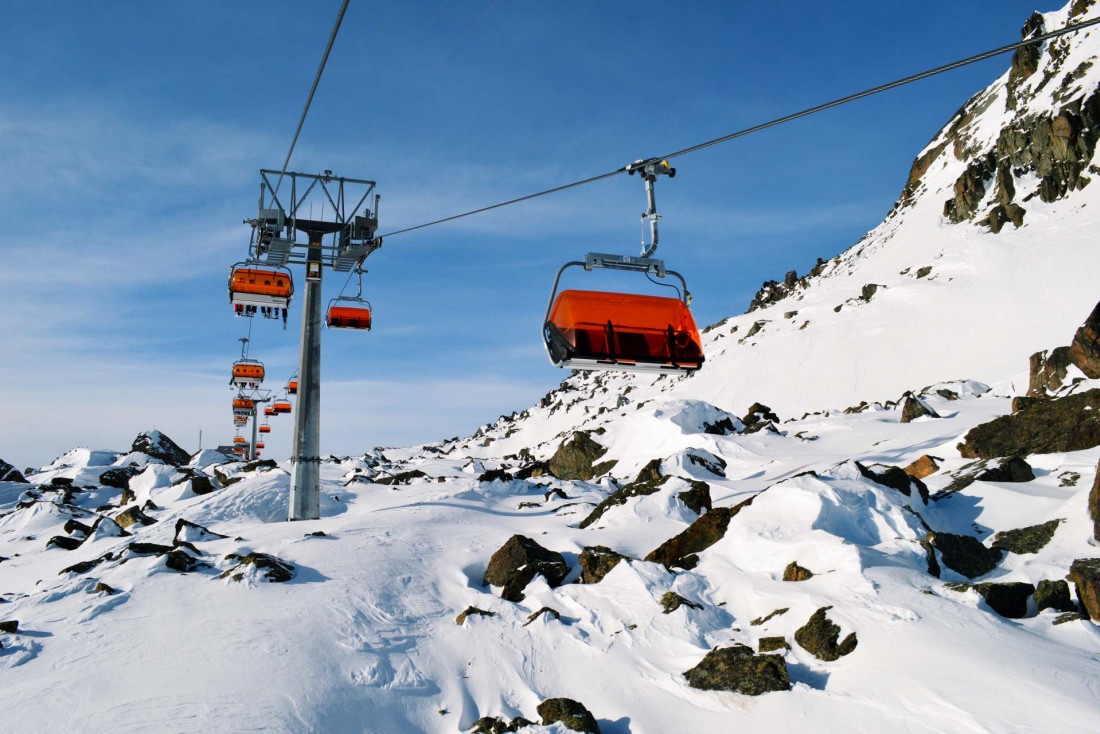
[{"x": 339, "y": 234}]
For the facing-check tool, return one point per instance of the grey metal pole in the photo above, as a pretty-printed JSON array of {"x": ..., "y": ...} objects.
[
  {"x": 254, "y": 430},
  {"x": 305, "y": 475}
]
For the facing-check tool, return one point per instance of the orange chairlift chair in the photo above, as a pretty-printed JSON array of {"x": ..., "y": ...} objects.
[
  {"x": 350, "y": 312},
  {"x": 243, "y": 407},
  {"x": 598, "y": 330},
  {"x": 281, "y": 406},
  {"x": 256, "y": 288},
  {"x": 247, "y": 373},
  {"x": 264, "y": 428},
  {"x": 292, "y": 385}
]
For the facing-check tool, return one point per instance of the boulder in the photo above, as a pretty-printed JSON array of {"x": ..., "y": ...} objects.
[
  {"x": 102, "y": 588},
  {"x": 922, "y": 467},
  {"x": 739, "y": 670},
  {"x": 1006, "y": 599},
  {"x": 148, "y": 549},
  {"x": 964, "y": 554},
  {"x": 200, "y": 483},
  {"x": 819, "y": 636},
  {"x": 1031, "y": 539},
  {"x": 132, "y": 516},
  {"x": 1070, "y": 423},
  {"x": 913, "y": 407},
  {"x": 189, "y": 532},
  {"x": 571, "y": 713},
  {"x": 767, "y": 617},
  {"x": 680, "y": 551},
  {"x": 1084, "y": 573},
  {"x": 697, "y": 499},
  {"x": 9, "y": 473},
  {"x": 471, "y": 612},
  {"x": 404, "y": 477},
  {"x": 596, "y": 561},
  {"x": 1012, "y": 469},
  {"x": 671, "y": 601},
  {"x": 1094, "y": 504},
  {"x": 1022, "y": 402},
  {"x": 518, "y": 561},
  {"x": 552, "y": 613},
  {"x": 576, "y": 458},
  {"x": 64, "y": 542},
  {"x": 9, "y": 626},
  {"x": 794, "y": 572},
  {"x": 119, "y": 476},
  {"x": 1047, "y": 371},
  {"x": 1054, "y": 595},
  {"x": 1084, "y": 351},
  {"x": 759, "y": 413},
  {"x": 771, "y": 644},
  {"x": 179, "y": 560},
  {"x": 648, "y": 481},
  {"x": 267, "y": 567},
  {"x": 894, "y": 477},
  {"x": 496, "y": 725},
  {"x": 258, "y": 464},
  {"x": 159, "y": 446}
]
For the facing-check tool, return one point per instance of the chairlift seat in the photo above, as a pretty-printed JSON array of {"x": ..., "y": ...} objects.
[
  {"x": 265, "y": 429},
  {"x": 249, "y": 373},
  {"x": 596, "y": 330},
  {"x": 254, "y": 286},
  {"x": 292, "y": 387},
  {"x": 281, "y": 406},
  {"x": 348, "y": 317}
]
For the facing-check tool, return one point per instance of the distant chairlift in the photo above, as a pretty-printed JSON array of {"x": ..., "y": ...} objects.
[
  {"x": 259, "y": 444},
  {"x": 597, "y": 330},
  {"x": 256, "y": 288},
  {"x": 247, "y": 373},
  {"x": 281, "y": 406},
  {"x": 268, "y": 412},
  {"x": 238, "y": 440},
  {"x": 243, "y": 407},
  {"x": 350, "y": 312},
  {"x": 292, "y": 385},
  {"x": 264, "y": 428}
]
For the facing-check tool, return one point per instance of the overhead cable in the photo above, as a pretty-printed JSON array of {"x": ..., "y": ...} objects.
[{"x": 772, "y": 123}]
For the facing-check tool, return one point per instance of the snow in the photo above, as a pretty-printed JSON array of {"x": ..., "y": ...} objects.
[{"x": 363, "y": 637}]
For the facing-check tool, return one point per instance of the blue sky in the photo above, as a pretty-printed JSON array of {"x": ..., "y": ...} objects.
[{"x": 131, "y": 135}]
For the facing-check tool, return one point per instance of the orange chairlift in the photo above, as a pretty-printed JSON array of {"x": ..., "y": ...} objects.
[
  {"x": 246, "y": 372},
  {"x": 239, "y": 421},
  {"x": 598, "y": 330},
  {"x": 243, "y": 407},
  {"x": 259, "y": 444},
  {"x": 239, "y": 440},
  {"x": 269, "y": 411},
  {"x": 292, "y": 385},
  {"x": 264, "y": 428},
  {"x": 259, "y": 288},
  {"x": 281, "y": 405},
  {"x": 350, "y": 312}
]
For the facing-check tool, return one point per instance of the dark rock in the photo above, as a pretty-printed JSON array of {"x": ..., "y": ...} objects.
[
  {"x": 1054, "y": 595},
  {"x": 404, "y": 477},
  {"x": 1006, "y": 599},
  {"x": 721, "y": 427},
  {"x": 132, "y": 516},
  {"x": 75, "y": 526},
  {"x": 1012, "y": 469},
  {"x": 648, "y": 481},
  {"x": 1047, "y": 371},
  {"x": 472, "y": 611},
  {"x": 571, "y": 713},
  {"x": 771, "y": 644},
  {"x": 194, "y": 533},
  {"x": 758, "y": 413},
  {"x": 923, "y": 272},
  {"x": 1069, "y": 617},
  {"x": 1084, "y": 573},
  {"x": 9, "y": 473},
  {"x": 201, "y": 484},
  {"x": 794, "y": 572},
  {"x": 62, "y": 481},
  {"x": 107, "y": 527},
  {"x": 553, "y": 613},
  {"x": 700, "y": 535},
  {"x": 148, "y": 549},
  {"x": 716, "y": 465},
  {"x": 182, "y": 561},
  {"x": 1031, "y": 539},
  {"x": 119, "y": 476},
  {"x": 274, "y": 570},
  {"x": 965, "y": 554},
  {"x": 739, "y": 670},
  {"x": 258, "y": 464},
  {"x": 533, "y": 470},
  {"x": 102, "y": 588},
  {"x": 85, "y": 566},
  {"x": 495, "y": 475},
  {"x": 1025, "y": 60},
  {"x": 576, "y": 458},
  {"x": 868, "y": 291},
  {"x": 696, "y": 499},
  {"x": 762, "y": 620},
  {"x": 1094, "y": 504},
  {"x": 1070, "y": 423},
  {"x": 488, "y": 725},
  {"x": 671, "y": 601},
  {"x": 159, "y": 446},
  {"x": 1084, "y": 351},
  {"x": 819, "y": 636},
  {"x": 10, "y": 626},
  {"x": 894, "y": 477},
  {"x": 1022, "y": 402},
  {"x": 555, "y": 492},
  {"x": 913, "y": 407},
  {"x": 596, "y": 561},
  {"x": 518, "y": 561},
  {"x": 64, "y": 542},
  {"x": 225, "y": 479},
  {"x": 922, "y": 467}
]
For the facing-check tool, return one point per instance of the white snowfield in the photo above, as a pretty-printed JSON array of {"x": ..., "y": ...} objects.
[{"x": 363, "y": 636}]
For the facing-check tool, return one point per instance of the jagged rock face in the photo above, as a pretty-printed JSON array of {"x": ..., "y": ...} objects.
[
  {"x": 571, "y": 713},
  {"x": 576, "y": 458},
  {"x": 518, "y": 561},
  {"x": 922, "y": 467},
  {"x": 119, "y": 477},
  {"x": 1006, "y": 599},
  {"x": 1054, "y": 595},
  {"x": 596, "y": 561},
  {"x": 1031, "y": 539},
  {"x": 9, "y": 473},
  {"x": 913, "y": 407},
  {"x": 895, "y": 478},
  {"x": 1085, "y": 575},
  {"x": 821, "y": 637},
  {"x": 1047, "y": 371},
  {"x": 1071, "y": 423},
  {"x": 965, "y": 554},
  {"x": 739, "y": 670},
  {"x": 680, "y": 551},
  {"x": 1084, "y": 352},
  {"x": 159, "y": 446}
]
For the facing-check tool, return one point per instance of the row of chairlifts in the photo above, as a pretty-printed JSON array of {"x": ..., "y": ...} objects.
[{"x": 626, "y": 332}]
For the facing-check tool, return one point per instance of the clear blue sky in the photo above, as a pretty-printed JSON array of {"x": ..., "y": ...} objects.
[{"x": 131, "y": 135}]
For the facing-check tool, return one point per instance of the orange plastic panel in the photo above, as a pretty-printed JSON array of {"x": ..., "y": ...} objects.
[
  {"x": 265, "y": 429},
  {"x": 243, "y": 404},
  {"x": 259, "y": 444},
  {"x": 292, "y": 387},
  {"x": 255, "y": 372},
  {"x": 238, "y": 439},
  {"x": 651, "y": 329},
  {"x": 261, "y": 282},
  {"x": 348, "y": 317},
  {"x": 281, "y": 407},
  {"x": 269, "y": 411}
]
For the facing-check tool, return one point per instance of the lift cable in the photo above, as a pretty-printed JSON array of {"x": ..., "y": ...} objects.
[
  {"x": 312, "y": 90},
  {"x": 772, "y": 123}
]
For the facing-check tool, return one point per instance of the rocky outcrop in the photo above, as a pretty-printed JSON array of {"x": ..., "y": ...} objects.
[
  {"x": 740, "y": 670},
  {"x": 1094, "y": 504},
  {"x": 473, "y": 612},
  {"x": 671, "y": 601},
  {"x": 1006, "y": 599},
  {"x": 772, "y": 291},
  {"x": 1047, "y": 371},
  {"x": 576, "y": 458},
  {"x": 1012, "y": 469},
  {"x": 570, "y": 713},
  {"x": 596, "y": 561},
  {"x": 1084, "y": 574},
  {"x": 759, "y": 418},
  {"x": 1084, "y": 351},
  {"x": 913, "y": 407},
  {"x": 794, "y": 572},
  {"x": 895, "y": 478},
  {"x": 681, "y": 551},
  {"x": 964, "y": 554},
  {"x": 119, "y": 476},
  {"x": 263, "y": 566},
  {"x": 1070, "y": 423},
  {"x": 820, "y": 637},
  {"x": 159, "y": 446},
  {"x": 923, "y": 467},
  {"x": 1031, "y": 539},
  {"x": 697, "y": 499},
  {"x": 132, "y": 516},
  {"x": 1054, "y": 595},
  {"x": 648, "y": 481},
  {"x": 542, "y": 612},
  {"x": 9, "y": 473},
  {"x": 771, "y": 644},
  {"x": 518, "y": 561}
]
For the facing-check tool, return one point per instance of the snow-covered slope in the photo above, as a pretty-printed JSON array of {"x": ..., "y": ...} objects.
[{"x": 165, "y": 593}]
